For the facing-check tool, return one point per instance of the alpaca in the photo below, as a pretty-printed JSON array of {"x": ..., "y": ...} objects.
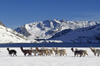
[
  {"x": 84, "y": 52},
  {"x": 34, "y": 51},
  {"x": 12, "y": 52},
  {"x": 77, "y": 52},
  {"x": 62, "y": 51},
  {"x": 56, "y": 52},
  {"x": 42, "y": 52},
  {"x": 95, "y": 51},
  {"x": 26, "y": 51},
  {"x": 50, "y": 51}
]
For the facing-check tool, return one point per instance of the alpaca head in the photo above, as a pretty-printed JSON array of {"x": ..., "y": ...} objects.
[
  {"x": 91, "y": 48},
  {"x": 31, "y": 48},
  {"x": 8, "y": 49},
  {"x": 72, "y": 49}
]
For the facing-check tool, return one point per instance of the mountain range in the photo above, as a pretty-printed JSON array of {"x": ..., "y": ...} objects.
[{"x": 62, "y": 30}]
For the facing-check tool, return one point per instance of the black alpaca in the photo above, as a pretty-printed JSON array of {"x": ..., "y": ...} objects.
[{"x": 12, "y": 52}]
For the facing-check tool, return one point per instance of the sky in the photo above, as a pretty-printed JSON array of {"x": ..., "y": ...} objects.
[{"x": 15, "y": 13}]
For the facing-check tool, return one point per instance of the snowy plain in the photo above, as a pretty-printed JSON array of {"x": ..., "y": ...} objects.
[{"x": 69, "y": 60}]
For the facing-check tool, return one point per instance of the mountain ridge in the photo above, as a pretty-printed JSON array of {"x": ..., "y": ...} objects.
[{"x": 49, "y": 28}]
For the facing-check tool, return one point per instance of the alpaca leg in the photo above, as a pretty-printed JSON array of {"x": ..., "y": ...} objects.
[
  {"x": 98, "y": 54},
  {"x": 77, "y": 54},
  {"x": 66, "y": 54},
  {"x": 24, "y": 54},
  {"x": 80, "y": 55},
  {"x": 74, "y": 54},
  {"x": 29, "y": 54},
  {"x": 63, "y": 54},
  {"x": 34, "y": 53},
  {"x": 15, "y": 54},
  {"x": 95, "y": 53},
  {"x": 83, "y": 54},
  {"x": 86, "y": 53}
]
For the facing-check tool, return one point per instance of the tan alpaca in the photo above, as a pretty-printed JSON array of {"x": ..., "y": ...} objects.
[
  {"x": 42, "y": 52},
  {"x": 56, "y": 52},
  {"x": 62, "y": 52},
  {"x": 95, "y": 51},
  {"x": 84, "y": 52},
  {"x": 92, "y": 49},
  {"x": 50, "y": 51}
]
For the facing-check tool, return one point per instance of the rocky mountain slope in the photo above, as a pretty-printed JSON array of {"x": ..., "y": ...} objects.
[{"x": 66, "y": 31}]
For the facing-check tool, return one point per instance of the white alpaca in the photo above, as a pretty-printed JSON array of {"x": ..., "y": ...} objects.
[
  {"x": 62, "y": 51},
  {"x": 34, "y": 51},
  {"x": 95, "y": 51},
  {"x": 50, "y": 51}
]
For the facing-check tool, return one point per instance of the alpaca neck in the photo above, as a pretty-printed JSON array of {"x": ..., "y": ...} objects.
[
  {"x": 37, "y": 48},
  {"x": 21, "y": 48}
]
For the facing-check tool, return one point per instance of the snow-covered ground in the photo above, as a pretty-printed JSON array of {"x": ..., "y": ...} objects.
[{"x": 69, "y": 60}]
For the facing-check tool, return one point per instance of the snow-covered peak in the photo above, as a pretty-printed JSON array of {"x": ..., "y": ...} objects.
[
  {"x": 8, "y": 35},
  {"x": 48, "y": 28}
]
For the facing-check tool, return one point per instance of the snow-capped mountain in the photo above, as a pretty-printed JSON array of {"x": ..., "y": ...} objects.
[
  {"x": 8, "y": 35},
  {"x": 82, "y": 35},
  {"x": 49, "y": 29}
]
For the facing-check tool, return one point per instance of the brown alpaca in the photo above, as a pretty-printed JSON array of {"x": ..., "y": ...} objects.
[
  {"x": 26, "y": 51},
  {"x": 77, "y": 52},
  {"x": 42, "y": 52},
  {"x": 12, "y": 52},
  {"x": 84, "y": 52}
]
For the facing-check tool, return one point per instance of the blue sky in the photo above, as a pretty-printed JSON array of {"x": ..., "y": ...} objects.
[{"x": 15, "y": 13}]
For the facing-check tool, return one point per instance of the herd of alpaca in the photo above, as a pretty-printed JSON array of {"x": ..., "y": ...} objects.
[{"x": 59, "y": 52}]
